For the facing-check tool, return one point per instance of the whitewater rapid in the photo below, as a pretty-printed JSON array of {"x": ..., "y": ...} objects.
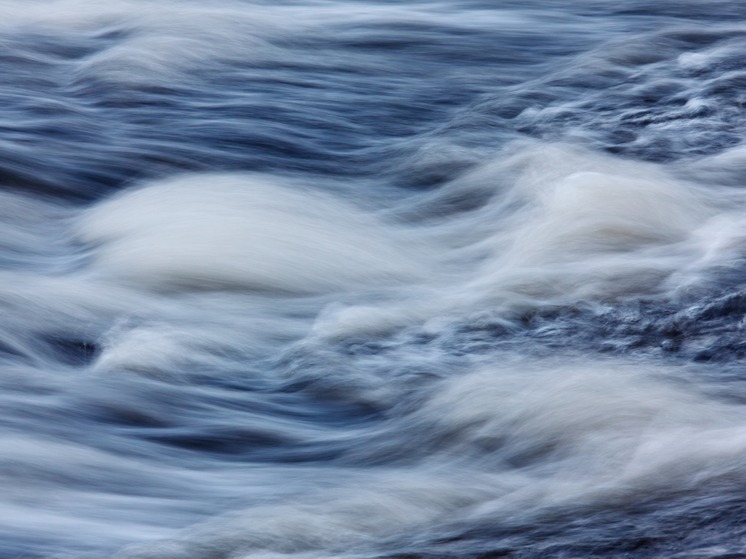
[{"x": 372, "y": 280}]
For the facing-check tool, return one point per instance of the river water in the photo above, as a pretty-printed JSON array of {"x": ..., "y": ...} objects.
[{"x": 430, "y": 279}]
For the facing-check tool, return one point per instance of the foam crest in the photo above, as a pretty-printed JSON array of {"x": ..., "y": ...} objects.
[
  {"x": 244, "y": 232},
  {"x": 574, "y": 225},
  {"x": 333, "y": 521},
  {"x": 601, "y": 429},
  {"x": 553, "y": 224},
  {"x": 166, "y": 41},
  {"x": 513, "y": 443}
]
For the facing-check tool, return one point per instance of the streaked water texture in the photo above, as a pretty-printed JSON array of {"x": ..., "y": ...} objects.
[{"x": 391, "y": 280}]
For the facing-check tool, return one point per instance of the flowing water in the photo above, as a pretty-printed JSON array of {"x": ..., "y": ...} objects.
[{"x": 372, "y": 279}]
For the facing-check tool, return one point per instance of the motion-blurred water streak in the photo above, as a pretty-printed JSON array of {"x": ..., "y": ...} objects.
[{"x": 371, "y": 279}]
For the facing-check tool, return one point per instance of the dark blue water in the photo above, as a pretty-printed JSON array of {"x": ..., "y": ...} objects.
[{"x": 394, "y": 280}]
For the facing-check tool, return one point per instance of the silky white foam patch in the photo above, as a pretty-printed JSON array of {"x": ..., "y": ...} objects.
[
  {"x": 244, "y": 232},
  {"x": 588, "y": 432},
  {"x": 565, "y": 224},
  {"x": 556, "y": 224},
  {"x": 163, "y": 42},
  {"x": 516, "y": 441}
]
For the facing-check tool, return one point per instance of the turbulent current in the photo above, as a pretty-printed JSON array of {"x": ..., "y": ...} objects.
[{"x": 429, "y": 279}]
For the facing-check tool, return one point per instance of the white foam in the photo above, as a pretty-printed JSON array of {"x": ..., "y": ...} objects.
[
  {"x": 244, "y": 232},
  {"x": 707, "y": 58},
  {"x": 587, "y": 432},
  {"x": 515, "y": 441},
  {"x": 571, "y": 225},
  {"x": 556, "y": 224},
  {"x": 163, "y": 42},
  {"x": 695, "y": 60}
]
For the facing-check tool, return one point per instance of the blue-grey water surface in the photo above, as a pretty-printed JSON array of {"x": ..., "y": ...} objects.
[{"x": 372, "y": 279}]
